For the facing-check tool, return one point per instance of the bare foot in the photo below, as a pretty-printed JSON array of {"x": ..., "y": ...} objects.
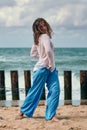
[
  {"x": 20, "y": 115},
  {"x": 55, "y": 119}
]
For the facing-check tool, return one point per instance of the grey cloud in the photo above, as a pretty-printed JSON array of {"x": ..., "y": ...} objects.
[
  {"x": 2, "y": 23},
  {"x": 7, "y": 3},
  {"x": 56, "y": 4},
  {"x": 70, "y": 27},
  {"x": 64, "y": 13}
]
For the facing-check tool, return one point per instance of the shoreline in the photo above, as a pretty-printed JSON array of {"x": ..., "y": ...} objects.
[{"x": 70, "y": 118}]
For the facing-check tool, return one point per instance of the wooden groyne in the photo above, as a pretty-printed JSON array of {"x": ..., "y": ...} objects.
[{"x": 27, "y": 78}]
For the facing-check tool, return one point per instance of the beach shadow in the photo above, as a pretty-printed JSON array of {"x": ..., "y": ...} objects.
[
  {"x": 71, "y": 117},
  {"x": 39, "y": 117},
  {"x": 59, "y": 117},
  {"x": 63, "y": 117},
  {"x": 35, "y": 117}
]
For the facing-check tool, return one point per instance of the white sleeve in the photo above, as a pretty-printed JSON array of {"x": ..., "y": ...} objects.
[
  {"x": 48, "y": 48},
  {"x": 34, "y": 52}
]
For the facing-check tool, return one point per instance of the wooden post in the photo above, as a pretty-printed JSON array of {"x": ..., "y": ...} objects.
[
  {"x": 27, "y": 78},
  {"x": 83, "y": 84},
  {"x": 14, "y": 84},
  {"x": 67, "y": 88},
  {"x": 43, "y": 94},
  {"x": 2, "y": 85}
]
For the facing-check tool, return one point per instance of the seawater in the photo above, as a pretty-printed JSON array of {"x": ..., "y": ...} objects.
[{"x": 73, "y": 59}]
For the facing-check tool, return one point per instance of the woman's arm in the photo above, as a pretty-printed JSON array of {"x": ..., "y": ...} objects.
[
  {"x": 48, "y": 48},
  {"x": 34, "y": 52}
]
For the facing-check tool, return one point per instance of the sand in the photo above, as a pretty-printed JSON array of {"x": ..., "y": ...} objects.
[{"x": 70, "y": 118}]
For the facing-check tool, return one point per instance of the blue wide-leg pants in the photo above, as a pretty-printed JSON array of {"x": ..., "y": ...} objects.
[{"x": 32, "y": 99}]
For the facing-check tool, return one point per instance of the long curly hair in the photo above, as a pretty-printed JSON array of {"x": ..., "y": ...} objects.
[{"x": 37, "y": 28}]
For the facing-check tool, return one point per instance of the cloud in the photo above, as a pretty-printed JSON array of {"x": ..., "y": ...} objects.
[
  {"x": 66, "y": 14},
  {"x": 7, "y": 3},
  {"x": 22, "y": 2},
  {"x": 70, "y": 16}
]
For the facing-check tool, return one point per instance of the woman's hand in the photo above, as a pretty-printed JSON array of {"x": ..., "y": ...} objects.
[{"x": 49, "y": 67}]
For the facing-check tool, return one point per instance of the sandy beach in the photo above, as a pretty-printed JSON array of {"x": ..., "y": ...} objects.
[{"x": 70, "y": 118}]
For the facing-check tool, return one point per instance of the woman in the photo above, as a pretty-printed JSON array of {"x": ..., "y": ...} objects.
[{"x": 44, "y": 72}]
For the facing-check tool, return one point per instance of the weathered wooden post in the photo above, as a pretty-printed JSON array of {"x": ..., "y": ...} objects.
[
  {"x": 2, "y": 85},
  {"x": 83, "y": 84},
  {"x": 67, "y": 88},
  {"x": 14, "y": 84},
  {"x": 27, "y": 78},
  {"x": 43, "y": 94}
]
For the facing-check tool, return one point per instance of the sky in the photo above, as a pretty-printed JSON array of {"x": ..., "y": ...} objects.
[{"x": 68, "y": 19}]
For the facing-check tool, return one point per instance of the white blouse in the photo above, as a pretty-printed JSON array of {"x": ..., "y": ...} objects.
[{"x": 43, "y": 52}]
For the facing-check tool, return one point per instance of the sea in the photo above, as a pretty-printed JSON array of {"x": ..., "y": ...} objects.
[{"x": 66, "y": 59}]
